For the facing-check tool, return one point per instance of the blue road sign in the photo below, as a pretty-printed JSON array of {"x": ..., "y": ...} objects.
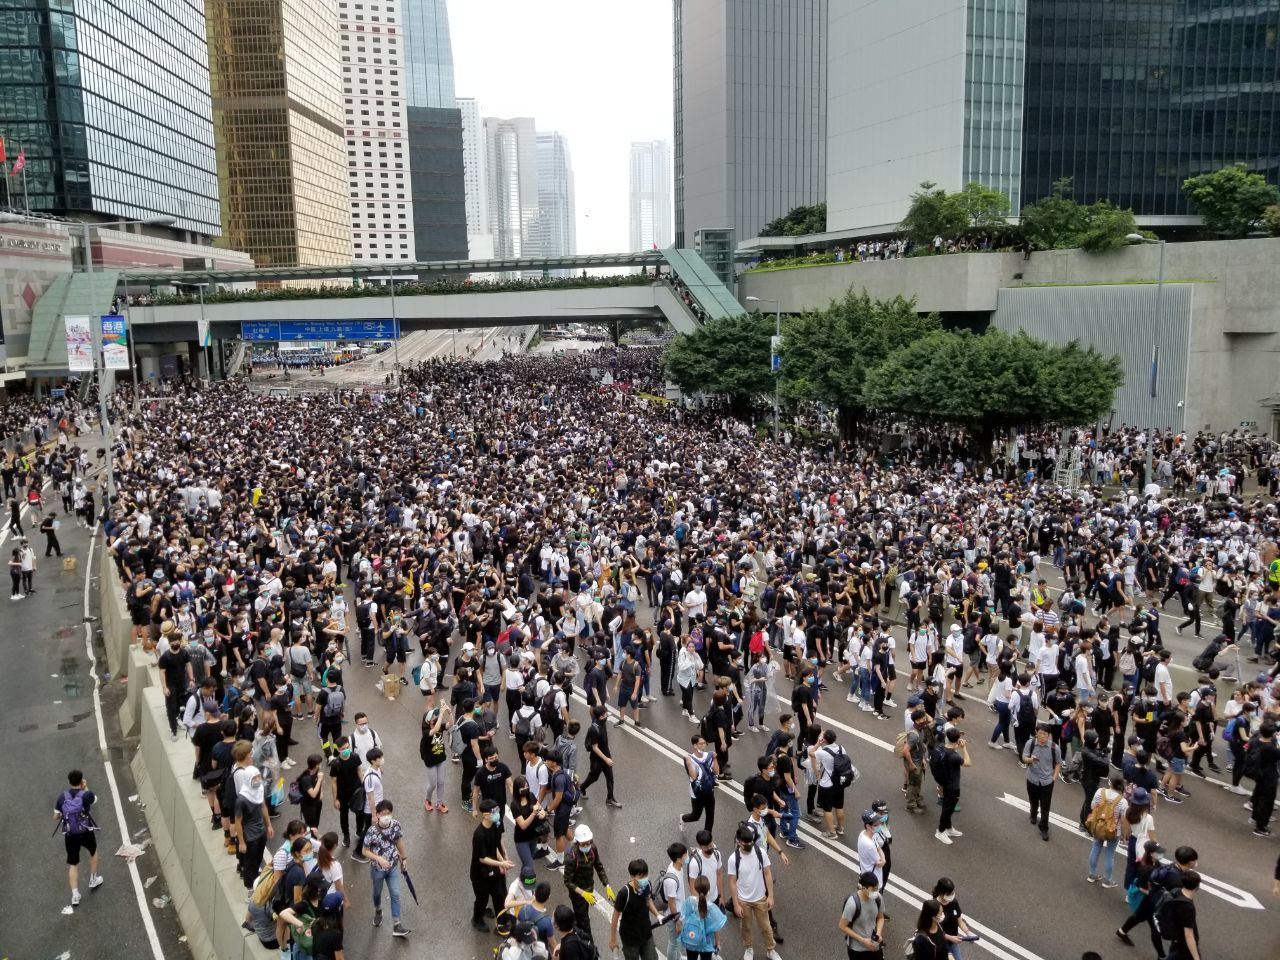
[{"x": 299, "y": 330}]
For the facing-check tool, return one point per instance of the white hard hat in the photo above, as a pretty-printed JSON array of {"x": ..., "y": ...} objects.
[{"x": 582, "y": 834}]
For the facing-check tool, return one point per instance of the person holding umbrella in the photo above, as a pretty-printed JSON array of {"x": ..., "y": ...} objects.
[{"x": 384, "y": 846}]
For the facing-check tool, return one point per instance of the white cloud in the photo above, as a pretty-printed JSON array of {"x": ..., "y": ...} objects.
[{"x": 598, "y": 71}]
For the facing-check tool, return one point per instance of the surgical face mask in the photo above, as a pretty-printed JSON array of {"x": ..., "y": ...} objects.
[
  {"x": 884, "y": 818},
  {"x": 362, "y": 726},
  {"x": 584, "y": 848},
  {"x": 308, "y": 858},
  {"x": 642, "y": 884},
  {"x": 496, "y": 817},
  {"x": 946, "y": 897},
  {"x": 384, "y": 821}
]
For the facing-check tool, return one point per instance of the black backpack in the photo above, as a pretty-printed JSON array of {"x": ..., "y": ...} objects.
[
  {"x": 938, "y": 764},
  {"x": 1149, "y": 669},
  {"x": 547, "y": 707},
  {"x": 843, "y": 772}
]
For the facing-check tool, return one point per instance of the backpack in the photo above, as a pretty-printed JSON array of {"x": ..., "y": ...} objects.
[
  {"x": 523, "y": 725},
  {"x": 547, "y": 707},
  {"x": 1149, "y": 669},
  {"x": 334, "y": 704},
  {"x": 1182, "y": 578},
  {"x": 1101, "y": 821},
  {"x": 1162, "y": 910},
  {"x": 1025, "y": 718},
  {"x": 1251, "y": 764},
  {"x": 937, "y": 764},
  {"x": 900, "y": 747},
  {"x": 707, "y": 728},
  {"x": 456, "y": 743},
  {"x": 1164, "y": 746},
  {"x": 587, "y": 949},
  {"x": 296, "y": 669},
  {"x": 737, "y": 854},
  {"x": 75, "y": 816},
  {"x": 956, "y": 590},
  {"x": 843, "y": 772},
  {"x": 569, "y": 790},
  {"x": 706, "y": 782}
]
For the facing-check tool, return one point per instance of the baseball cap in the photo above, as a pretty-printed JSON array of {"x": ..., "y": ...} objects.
[
  {"x": 869, "y": 817},
  {"x": 1151, "y": 846},
  {"x": 332, "y": 901},
  {"x": 1141, "y": 796},
  {"x": 528, "y": 876}
]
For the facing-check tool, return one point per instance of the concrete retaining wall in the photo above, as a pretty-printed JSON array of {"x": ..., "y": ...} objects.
[
  {"x": 114, "y": 615},
  {"x": 206, "y": 889}
]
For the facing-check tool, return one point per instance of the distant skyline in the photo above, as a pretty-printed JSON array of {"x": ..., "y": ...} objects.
[{"x": 603, "y": 80}]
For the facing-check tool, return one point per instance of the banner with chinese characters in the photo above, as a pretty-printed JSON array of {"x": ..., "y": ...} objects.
[
  {"x": 115, "y": 343},
  {"x": 79, "y": 342}
]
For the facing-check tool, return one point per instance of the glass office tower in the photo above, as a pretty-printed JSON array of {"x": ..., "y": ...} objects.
[
  {"x": 1131, "y": 97},
  {"x": 111, "y": 104},
  {"x": 278, "y": 112}
]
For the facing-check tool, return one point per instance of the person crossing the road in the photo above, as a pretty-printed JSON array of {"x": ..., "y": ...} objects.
[
  {"x": 703, "y": 771},
  {"x": 582, "y": 864}
]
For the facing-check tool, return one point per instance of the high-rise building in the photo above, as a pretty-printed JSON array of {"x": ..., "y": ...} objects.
[
  {"x": 475, "y": 181},
  {"x": 377, "y": 130},
  {"x": 110, "y": 104},
  {"x": 511, "y": 162},
  {"x": 650, "y": 196},
  {"x": 556, "y": 232},
  {"x": 277, "y": 111},
  {"x": 435, "y": 134},
  {"x": 1127, "y": 98},
  {"x": 750, "y": 111}
]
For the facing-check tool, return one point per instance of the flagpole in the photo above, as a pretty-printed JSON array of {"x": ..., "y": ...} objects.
[{"x": 26, "y": 197}]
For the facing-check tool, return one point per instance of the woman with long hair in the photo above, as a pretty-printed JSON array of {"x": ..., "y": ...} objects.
[
  {"x": 700, "y": 922},
  {"x": 929, "y": 942},
  {"x": 329, "y": 865},
  {"x": 1139, "y": 896}
]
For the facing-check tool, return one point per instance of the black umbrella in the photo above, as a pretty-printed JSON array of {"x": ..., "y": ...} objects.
[{"x": 408, "y": 880}]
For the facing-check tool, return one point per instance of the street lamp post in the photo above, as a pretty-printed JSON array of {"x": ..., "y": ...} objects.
[
  {"x": 777, "y": 340},
  {"x": 1136, "y": 239},
  {"x": 95, "y": 319}
]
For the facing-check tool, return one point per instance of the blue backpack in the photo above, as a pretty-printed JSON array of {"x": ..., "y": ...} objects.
[{"x": 75, "y": 815}]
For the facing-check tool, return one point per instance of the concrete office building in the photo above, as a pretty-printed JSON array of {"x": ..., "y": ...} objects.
[
  {"x": 1128, "y": 99},
  {"x": 435, "y": 133},
  {"x": 511, "y": 166},
  {"x": 750, "y": 112},
  {"x": 111, "y": 107},
  {"x": 377, "y": 130},
  {"x": 650, "y": 196},
  {"x": 475, "y": 181},
  {"x": 556, "y": 234},
  {"x": 277, "y": 111}
]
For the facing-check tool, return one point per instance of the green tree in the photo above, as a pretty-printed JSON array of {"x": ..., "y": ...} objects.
[
  {"x": 1059, "y": 222},
  {"x": 1233, "y": 200},
  {"x": 827, "y": 353},
  {"x": 934, "y": 213},
  {"x": 729, "y": 357},
  {"x": 983, "y": 206},
  {"x": 995, "y": 380},
  {"x": 798, "y": 222}
]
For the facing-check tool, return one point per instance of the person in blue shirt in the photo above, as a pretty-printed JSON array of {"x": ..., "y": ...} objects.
[{"x": 700, "y": 922}]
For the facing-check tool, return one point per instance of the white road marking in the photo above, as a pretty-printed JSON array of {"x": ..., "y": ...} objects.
[
  {"x": 993, "y": 942},
  {"x": 153, "y": 938},
  {"x": 1216, "y": 888}
]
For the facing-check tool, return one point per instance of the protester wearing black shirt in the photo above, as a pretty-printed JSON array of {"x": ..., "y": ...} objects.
[
  {"x": 489, "y": 864},
  {"x": 176, "y": 678},
  {"x": 492, "y": 782}
]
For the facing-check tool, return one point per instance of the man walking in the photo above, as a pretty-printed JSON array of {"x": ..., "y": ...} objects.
[
  {"x": 946, "y": 765},
  {"x": 489, "y": 864},
  {"x": 49, "y": 527},
  {"x": 751, "y": 892},
  {"x": 1043, "y": 762},
  {"x": 72, "y": 809},
  {"x": 384, "y": 847},
  {"x": 600, "y": 758}
]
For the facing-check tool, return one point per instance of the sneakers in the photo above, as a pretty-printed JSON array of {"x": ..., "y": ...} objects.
[
  {"x": 796, "y": 844},
  {"x": 1183, "y": 791},
  {"x": 75, "y": 898},
  {"x": 993, "y": 745},
  {"x": 773, "y": 955},
  {"x": 748, "y": 954},
  {"x": 377, "y": 917},
  {"x": 1108, "y": 884},
  {"x": 1238, "y": 790},
  {"x": 1123, "y": 937},
  {"x": 359, "y": 858},
  {"x": 890, "y": 702},
  {"x": 954, "y": 833},
  {"x": 95, "y": 881},
  {"x": 691, "y": 718},
  {"x": 830, "y": 834},
  {"x": 614, "y": 803},
  {"x": 941, "y": 837},
  {"x": 400, "y": 930},
  {"x": 1092, "y": 878},
  {"x": 851, "y": 699},
  {"x": 1258, "y": 832},
  {"x": 1169, "y": 796}
]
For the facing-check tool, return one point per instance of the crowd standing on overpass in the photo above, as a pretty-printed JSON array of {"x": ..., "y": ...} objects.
[{"x": 546, "y": 558}]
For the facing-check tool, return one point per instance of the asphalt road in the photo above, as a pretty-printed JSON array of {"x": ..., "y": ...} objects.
[
  {"x": 1029, "y": 898},
  {"x": 50, "y": 727}
]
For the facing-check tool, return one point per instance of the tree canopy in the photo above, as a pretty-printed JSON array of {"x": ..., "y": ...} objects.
[
  {"x": 1233, "y": 201},
  {"x": 984, "y": 382},
  {"x": 827, "y": 353},
  {"x": 1060, "y": 222},
  {"x": 729, "y": 356},
  {"x": 797, "y": 222}
]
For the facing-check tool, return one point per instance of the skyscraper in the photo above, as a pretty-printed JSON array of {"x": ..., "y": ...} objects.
[
  {"x": 111, "y": 105},
  {"x": 475, "y": 181},
  {"x": 1128, "y": 99},
  {"x": 377, "y": 130},
  {"x": 557, "y": 233},
  {"x": 750, "y": 112},
  {"x": 277, "y": 110},
  {"x": 435, "y": 134},
  {"x": 650, "y": 195},
  {"x": 511, "y": 161}
]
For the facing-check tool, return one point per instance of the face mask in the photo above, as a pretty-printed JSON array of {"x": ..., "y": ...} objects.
[
  {"x": 496, "y": 817},
  {"x": 309, "y": 858},
  {"x": 362, "y": 727},
  {"x": 642, "y": 885},
  {"x": 344, "y": 754},
  {"x": 584, "y": 849},
  {"x": 175, "y": 647},
  {"x": 884, "y": 818},
  {"x": 384, "y": 821},
  {"x": 946, "y": 898}
]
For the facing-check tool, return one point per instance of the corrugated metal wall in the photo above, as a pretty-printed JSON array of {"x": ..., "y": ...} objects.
[{"x": 1123, "y": 319}]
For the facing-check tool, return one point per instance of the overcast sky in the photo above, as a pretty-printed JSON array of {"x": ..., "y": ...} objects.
[{"x": 595, "y": 71}]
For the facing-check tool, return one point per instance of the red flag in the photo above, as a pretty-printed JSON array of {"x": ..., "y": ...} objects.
[
  {"x": 20, "y": 163},
  {"x": 2, "y": 156}
]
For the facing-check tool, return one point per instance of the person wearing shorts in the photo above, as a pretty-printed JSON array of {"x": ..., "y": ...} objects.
[
  {"x": 830, "y": 794},
  {"x": 78, "y": 831}
]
